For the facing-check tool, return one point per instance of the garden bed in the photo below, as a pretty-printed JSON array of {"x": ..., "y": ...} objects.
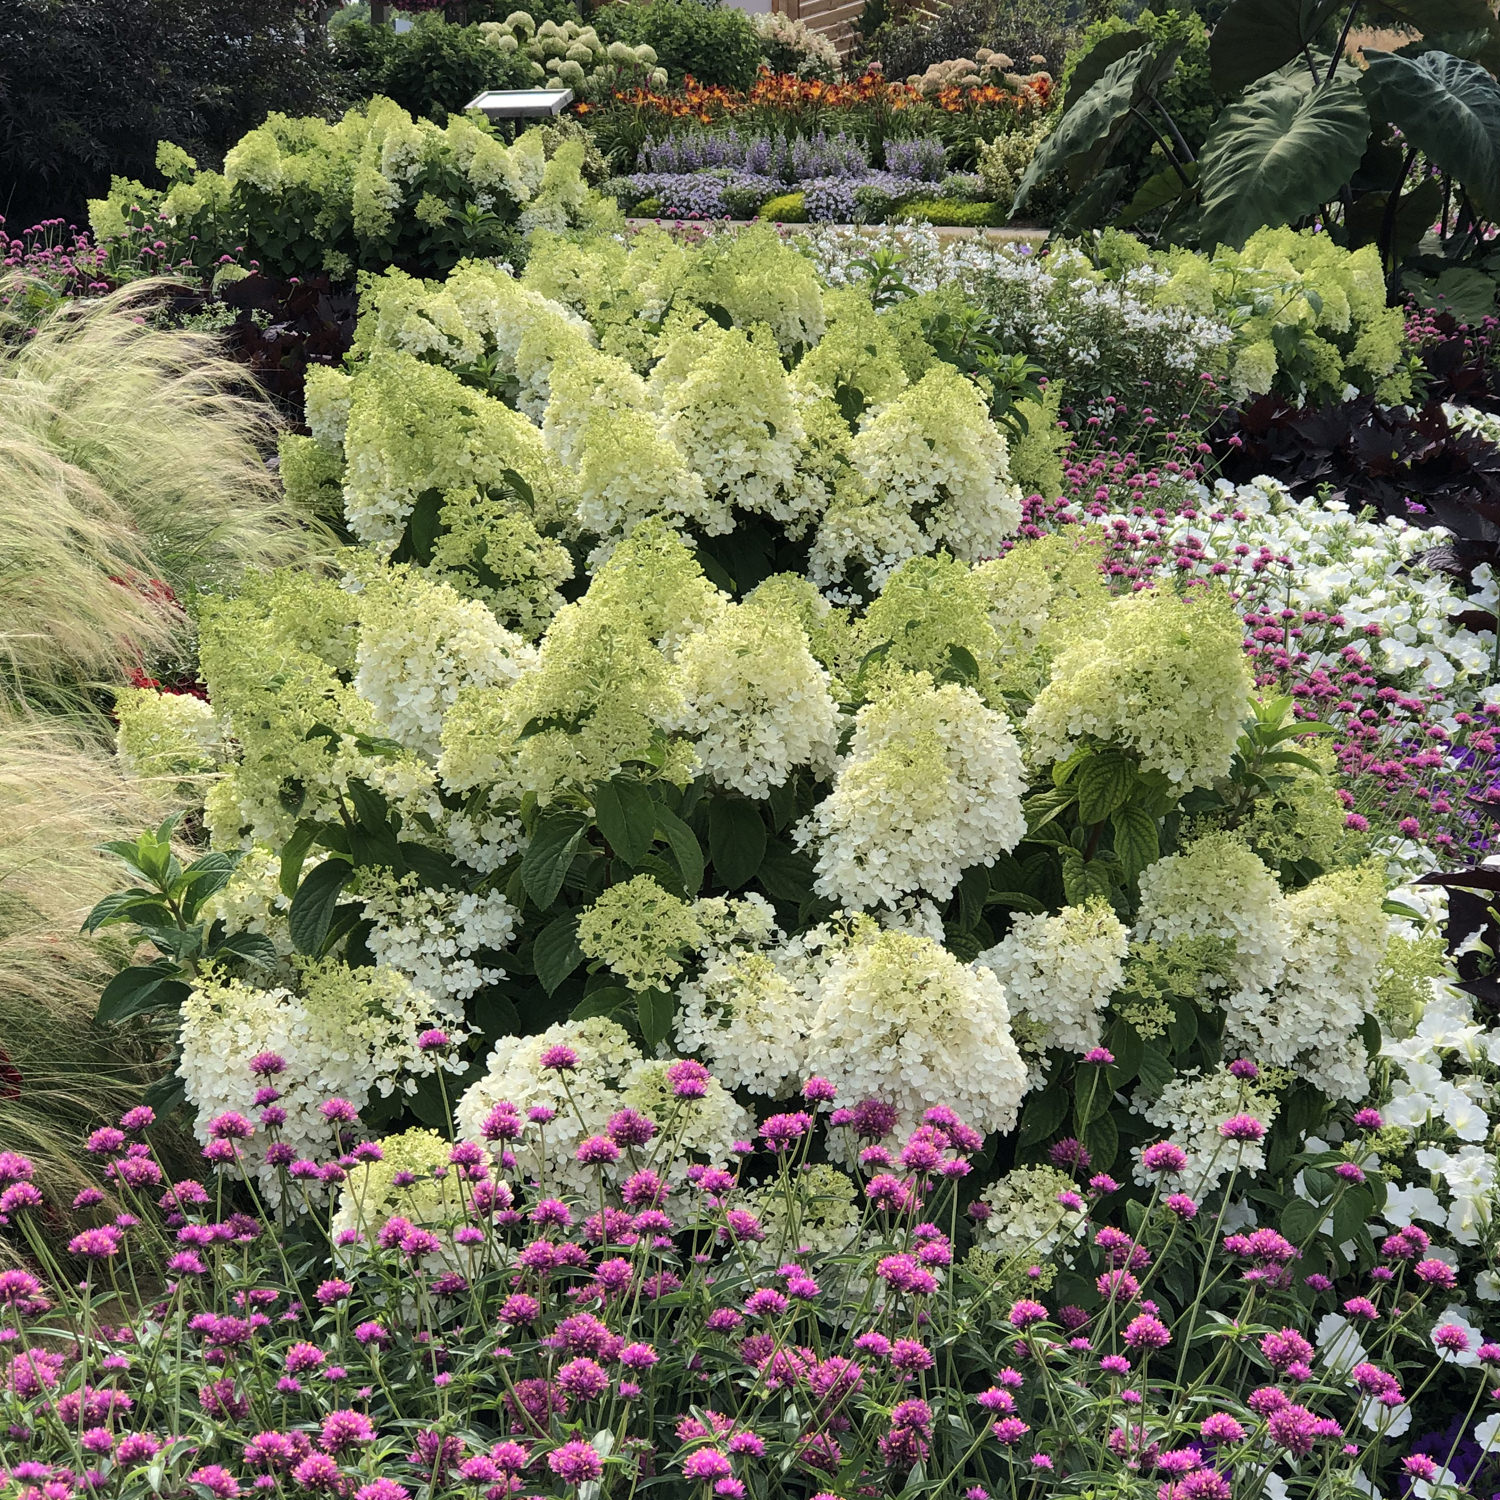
[{"x": 747, "y": 859}]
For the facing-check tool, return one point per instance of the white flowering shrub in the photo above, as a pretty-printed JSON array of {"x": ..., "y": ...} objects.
[{"x": 686, "y": 701}]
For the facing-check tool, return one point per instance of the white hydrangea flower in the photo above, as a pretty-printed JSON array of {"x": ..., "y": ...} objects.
[
  {"x": 932, "y": 784},
  {"x": 748, "y": 1020},
  {"x": 899, "y": 1018},
  {"x": 698, "y": 1129},
  {"x": 935, "y": 450},
  {"x": 484, "y": 839},
  {"x": 252, "y": 899},
  {"x": 754, "y": 700},
  {"x": 351, "y": 1033},
  {"x": 728, "y": 407},
  {"x": 1059, "y": 972},
  {"x": 1219, "y": 887},
  {"x": 1336, "y": 933},
  {"x": 420, "y": 644},
  {"x": 1026, "y": 1220},
  {"x": 610, "y": 1075},
  {"x": 166, "y": 734},
  {"x": 827, "y": 1214},
  {"x": 583, "y": 1104},
  {"x": 432, "y": 935},
  {"x": 1190, "y": 1110}
]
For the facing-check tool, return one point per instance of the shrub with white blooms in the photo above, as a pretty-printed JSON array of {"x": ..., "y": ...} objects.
[{"x": 686, "y": 702}]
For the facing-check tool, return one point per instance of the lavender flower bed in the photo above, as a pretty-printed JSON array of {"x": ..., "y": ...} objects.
[
  {"x": 786, "y": 160},
  {"x": 727, "y": 175}
]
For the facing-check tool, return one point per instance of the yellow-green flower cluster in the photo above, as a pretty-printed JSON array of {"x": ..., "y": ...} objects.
[
  {"x": 1310, "y": 317},
  {"x": 278, "y": 659},
  {"x": 641, "y": 931},
  {"x": 420, "y": 645},
  {"x": 415, "y": 427},
  {"x": 754, "y": 701},
  {"x": 1166, "y": 679},
  {"x": 1026, "y": 1222},
  {"x": 931, "y": 471},
  {"x": 820, "y": 1214},
  {"x": 932, "y": 784},
  {"x": 172, "y": 735},
  {"x": 601, "y": 691},
  {"x": 1043, "y": 596},
  {"x": 902, "y": 1020},
  {"x": 429, "y": 1193},
  {"x": 355, "y": 187},
  {"x": 345, "y": 1032}
]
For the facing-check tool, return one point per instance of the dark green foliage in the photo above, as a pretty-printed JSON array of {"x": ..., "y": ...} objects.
[
  {"x": 715, "y": 44},
  {"x": 430, "y": 70},
  {"x": 88, "y": 87},
  {"x": 1188, "y": 94}
]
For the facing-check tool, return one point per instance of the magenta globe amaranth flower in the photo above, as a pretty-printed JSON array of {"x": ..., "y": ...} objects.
[
  {"x": 1147, "y": 1332},
  {"x": 688, "y": 1079},
  {"x": 575, "y": 1463},
  {"x": 1024, "y": 1313},
  {"x": 1163, "y": 1157}
]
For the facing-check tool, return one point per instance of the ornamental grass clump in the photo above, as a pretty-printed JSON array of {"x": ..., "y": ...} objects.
[
  {"x": 60, "y": 798},
  {"x": 707, "y": 1315},
  {"x": 133, "y": 474}
]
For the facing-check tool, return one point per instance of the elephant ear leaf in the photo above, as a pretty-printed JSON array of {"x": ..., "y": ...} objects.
[
  {"x": 1449, "y": 109},
  {"x": 1279, "y": 152},
  {"x": 1089, "y": 68},
  {"x": 1089, "y": 127},
  {"x": 1255, "y": 37}
]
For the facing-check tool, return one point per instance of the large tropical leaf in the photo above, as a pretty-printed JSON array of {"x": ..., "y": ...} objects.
[
  {"x": 1276, "y": 154},
  {"x": 1255, "y": 37},
  {"x": 1158, "y": 191},
  {"x": 1448, "y": 108},
  {"x": 1089, "y": 68},
  {"x": 1083, "y": 138}
]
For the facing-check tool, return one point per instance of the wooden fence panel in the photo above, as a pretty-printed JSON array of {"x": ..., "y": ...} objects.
[{"x": 833, "y": 18}]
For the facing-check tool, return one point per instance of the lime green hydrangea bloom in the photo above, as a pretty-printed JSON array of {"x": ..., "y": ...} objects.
[
  {"x": 172, "y": 735},
  {"x": 857, "y": 361},
  {"x": 1043, "y": 596},
  {"x": 1407, "y": 970},
  {"x": 414, "y": 427},
  {"x": 757, "y": 279},
  {"x": 754, "y": 701},
  {"x": 928, "y": 470},
  {"x": 312, "y": 476},
  {"x": 641, "y": 931},
  {"x": 489, "y": 549},
  {"x": 727, "y": 405},
  {"x": 928, "y": 607},
  {"x": 1167, "y": 680},
  {"x": 1302, "y": 817},
  {"x": 371, "y": 1195},
  {"x": 279, "y": 659},
  {"x": 600, "y": 421}
]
